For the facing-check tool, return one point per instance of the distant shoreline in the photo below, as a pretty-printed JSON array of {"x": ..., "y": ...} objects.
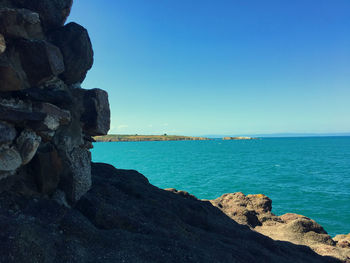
[
  {"x": 239, "y": 138},
  {"x": 142, "y": 138}
]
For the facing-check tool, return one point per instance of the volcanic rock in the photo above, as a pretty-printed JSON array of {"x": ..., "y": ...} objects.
[
  {"x": 10, "y": 159},
  {"x": 20, "y": 23},
  {"x": 41, "y": 60},
  {"x": 48, "y": 94},
  {"x": 20, "y": 117},
  {"x": 10, "y": 76},
  {"x": 47, "y": 166},
  {"x": 75, "y": 44},
  {"x": 9, "y": 79},
  {"x": 52, "y": 118},
  {"x": 55, "y": 207},
  {"x": 27, "y": 144},
  {"x": 76, "y": 178},
  {"x": 7, "y": 133},
  {"x": 96, "y": 117},
  {"x": 63, "y": 117},
  {"x": 121, "y": 212},
  {"x": 53, "y": 13}
]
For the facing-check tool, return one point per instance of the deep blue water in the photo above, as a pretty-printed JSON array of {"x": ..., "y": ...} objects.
[{"x": 308, "y": 176}]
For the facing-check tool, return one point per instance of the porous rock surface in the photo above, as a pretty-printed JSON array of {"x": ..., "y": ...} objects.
[
  {"x": 46, "y": 118},
  {"x": 123, "y": 218},
  {"x": 255, "y": 212},
  {"x": 55, "y": 206}
]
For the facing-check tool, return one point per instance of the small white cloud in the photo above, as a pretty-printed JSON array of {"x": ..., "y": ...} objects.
[
  {"x": 165, "y": 124},
  {"x": 150, "y": 125},
  {"x": 122, "y": 126}
]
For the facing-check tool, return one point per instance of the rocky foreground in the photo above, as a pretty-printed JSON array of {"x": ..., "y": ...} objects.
[
  {"x": 255, "y": 212},
  {"x": 123, "y": 218},
  {"x": 55, "y": 206}
]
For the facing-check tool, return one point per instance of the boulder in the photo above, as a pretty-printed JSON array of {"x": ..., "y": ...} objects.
[
  {"x": 55, "y": 117},
  {"x": 10, "y": 79},
  {"x": 50, "y": 123},
  {"x": 96, "y": 117},
  {"x": 46, "y": 119},
  {"x": 47, "y": 167},
  {"x": 48, "y": 94},
  {"x": 41, "y": 60},
  {"x": 53, "y": 13},
  {"x": 251, "y": 210},
  {"x": 2, "y": 44},
  {"x": 20, "y": 23},
  {"x": 63, "y": 117},
  {"x": 20, "y": 117},
  {"x": 76, "y": 178},
  {"x": 27, "y": 145},
  {"x": 255, "y": 212},
  {"x": 10, "y": 159},
  {"x": 7, "y": 133},
  {"x": 75, "y": 44},
  {"x": 25, "y": 115}
]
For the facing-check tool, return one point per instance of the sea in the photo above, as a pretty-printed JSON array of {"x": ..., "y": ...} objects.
[{"x": 307, "y": 175}]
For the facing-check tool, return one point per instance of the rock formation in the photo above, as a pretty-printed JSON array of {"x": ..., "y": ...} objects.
[
  {"x": 123, "y": 218},
  {"x": 255, "y": 212},
  {"x": 46, "y": 119},
  {"x": 55, "y": 206}
]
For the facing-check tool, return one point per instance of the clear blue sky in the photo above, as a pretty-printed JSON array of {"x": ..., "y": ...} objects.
[{"x": 195, "y": 67}]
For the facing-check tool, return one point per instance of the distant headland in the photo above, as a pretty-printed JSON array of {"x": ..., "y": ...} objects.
[{"x": 140, "y": 138}]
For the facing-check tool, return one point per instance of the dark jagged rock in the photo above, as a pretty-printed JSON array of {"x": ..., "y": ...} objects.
[
  {"x": 10, "y": 159},
  {"x": 41, "y": 60},
  {"x": 52, "y": 210},
  {"x": 27, "y": 144},
  {"x": 123, "y": 218},
  {"x": 48, "y": 94},
  {"x": 11, "y": 77},
  {"x": 20, "y": 23},
  {"x": 75, "y": 44},
  {"x": 96, "y": 117},
  {"x": 20, "y": 117},
  {"x": 53, "y": 13},
  {"x": 76, "y": 179},
  {"x": 62, "y": 117},
  {"x": 39, "y": 106},
  {"x": 47, "y": 166},
  {"x": 7, "y": 133}
]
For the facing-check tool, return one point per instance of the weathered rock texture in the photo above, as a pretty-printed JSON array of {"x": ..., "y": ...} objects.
[
  {"x": 46, "y": 119},
  {"x": 52, "y": 210},
  {"x": 255, "y": 212},
  {"x": 123, "y": 218}
]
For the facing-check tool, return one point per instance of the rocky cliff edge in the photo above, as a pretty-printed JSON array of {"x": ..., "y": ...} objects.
[{"x": 55, "y": 206}]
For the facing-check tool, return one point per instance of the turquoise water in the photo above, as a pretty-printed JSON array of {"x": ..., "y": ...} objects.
[{"x": 309, "y": 176}]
